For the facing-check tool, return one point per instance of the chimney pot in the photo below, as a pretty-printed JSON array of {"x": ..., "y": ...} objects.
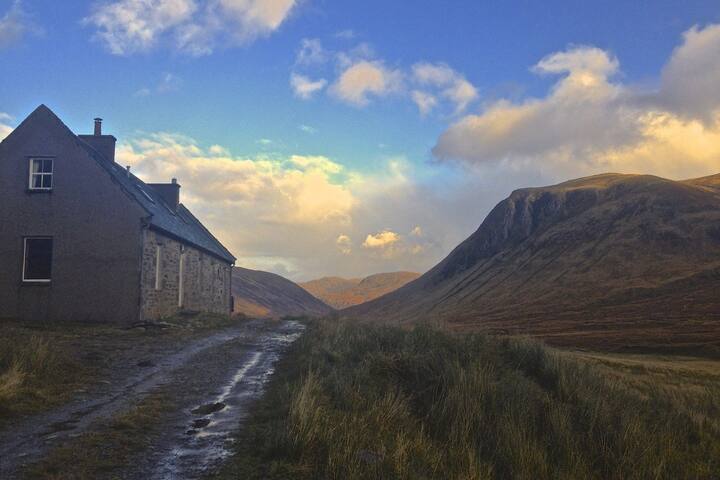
[
  {"x": 174, "y": 180},
  {"x": 98, "y": 126},
  {"x": 127, "y": 168}
]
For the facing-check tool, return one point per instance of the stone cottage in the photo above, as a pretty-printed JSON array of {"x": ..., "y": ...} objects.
[{"x": 83, "y": 239}]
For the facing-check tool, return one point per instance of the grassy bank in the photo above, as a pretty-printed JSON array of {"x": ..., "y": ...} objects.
[
  {"x": 36, "y": 372},
  {"x": 106, "y": 450},
  {"x": 354, "y": 401},
  {"x": 44, "y": 365}
]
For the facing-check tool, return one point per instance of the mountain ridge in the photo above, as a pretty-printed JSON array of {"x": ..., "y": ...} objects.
[
  {"x": 344, "y": 292},
  {"x": 566, "y": 262},
  {"x": 267, "y": 295}
]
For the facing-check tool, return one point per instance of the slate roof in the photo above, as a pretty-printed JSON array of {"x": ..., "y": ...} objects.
[{"x": 182, "y": 225}]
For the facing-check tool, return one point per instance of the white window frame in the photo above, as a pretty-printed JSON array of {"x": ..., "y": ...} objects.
[
  {"x": 25, "y": 248},
  {"x": 50, "y": 174},
  {"x": 158, "y": 267}
]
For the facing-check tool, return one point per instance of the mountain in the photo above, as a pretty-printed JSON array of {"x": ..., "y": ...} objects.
[
  {"x": 264, "y": 294},
  {"x": 345, "y": 292},
  {"x": 611, "y": 260}
]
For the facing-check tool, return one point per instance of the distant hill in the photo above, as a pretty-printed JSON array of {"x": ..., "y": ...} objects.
[
  {"x": 605, "y": 261},
  {"x": 263, "y": 294},
  {"x": 345, "y": 292}
]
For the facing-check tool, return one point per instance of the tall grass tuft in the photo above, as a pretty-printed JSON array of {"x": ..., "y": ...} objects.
[
  {"x": 359, "y": 401},
  {"x": 24, "y": 365}
]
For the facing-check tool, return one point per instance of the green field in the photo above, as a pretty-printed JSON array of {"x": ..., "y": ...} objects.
[{"x": 359, "y": 401}]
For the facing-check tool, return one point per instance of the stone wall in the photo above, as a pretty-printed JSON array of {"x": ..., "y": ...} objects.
[{"x": 206, "y": 279}]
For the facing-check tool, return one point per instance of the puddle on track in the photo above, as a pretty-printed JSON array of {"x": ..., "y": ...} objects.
[{"x": 207, "y": 439}]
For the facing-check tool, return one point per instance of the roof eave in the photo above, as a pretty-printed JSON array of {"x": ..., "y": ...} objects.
[{"x": 228, "y": 260}]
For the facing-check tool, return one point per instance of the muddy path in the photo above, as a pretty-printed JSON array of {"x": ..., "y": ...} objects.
[{"x": 212, "y": 379}]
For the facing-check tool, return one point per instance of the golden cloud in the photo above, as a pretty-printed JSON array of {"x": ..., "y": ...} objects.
[{"x": 589, "y": 123}]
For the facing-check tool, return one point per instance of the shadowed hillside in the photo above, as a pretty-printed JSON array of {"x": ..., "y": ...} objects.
[
  {"x": 345, "y": 292},
  {"x": 264, "y": 294},
  {"x": 606, "y": 261}
]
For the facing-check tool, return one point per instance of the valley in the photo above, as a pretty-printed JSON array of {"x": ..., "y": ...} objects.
[
  {"x": 345, "y": 292},
  {"x": 609, "y": 261}
]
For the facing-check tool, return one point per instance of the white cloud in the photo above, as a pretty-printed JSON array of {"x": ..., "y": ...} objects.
[
  {"x": 424, "y": 101},
  {"x": 129, "y": 26},
  {"x": 344, "y": 244},
  {"x": 388, "y": 244},
  {"x": 583, "y": 110},
  {"x": 316, "y": 162},
  {"x": 381, "y": 239},
  {"x": 168, "y": 83},
  {"x": 296, "y": 190},
  {"x": 364, "y": 79},
  {"x": 5, "y": 128},
  {"x": 347, "y": 58},
  {"x": 690, "y": 80},
  {"x": 311, "y": 52},
  {"x": 345, "y": 34},
  {"x": 15, "y": 24},
  {"x": 298, "y": 214},
  {"x": 446, "y": 83},
  {"x": 193, "y": 27},
  {"x": 590, "y": 123},
  {"x": 308, "y": 129},
  {"x": 361, "y": 76},
  {"x": 305, "y": 88}
]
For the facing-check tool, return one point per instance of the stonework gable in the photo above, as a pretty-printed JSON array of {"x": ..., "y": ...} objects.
[
  {"x": 101, "y": 222},
  {"x": 205, "y": 284}
]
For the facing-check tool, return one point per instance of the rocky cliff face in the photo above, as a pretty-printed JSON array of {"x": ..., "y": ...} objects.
[{"x": 600, "y": 254}]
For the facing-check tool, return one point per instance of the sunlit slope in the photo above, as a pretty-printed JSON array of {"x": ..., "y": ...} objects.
[
  {"x": 614, "y": 260},
  {"x": 344, "y": 292},
  {"x": 263, "y": 294}
]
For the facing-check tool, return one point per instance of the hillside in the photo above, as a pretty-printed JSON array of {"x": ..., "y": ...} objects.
[
  {"x": 605, "y": 261},
  {"x": 345, "y": 292},
  {"x": 263, "y": 294}
]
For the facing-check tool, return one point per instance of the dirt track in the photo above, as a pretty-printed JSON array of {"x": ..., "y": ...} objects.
[{"x": 215, "y": 377}]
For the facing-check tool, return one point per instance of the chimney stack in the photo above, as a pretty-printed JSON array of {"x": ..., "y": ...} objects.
[
  {"x": 103, "y": 144},
  {"x": 169, "y": 192}
]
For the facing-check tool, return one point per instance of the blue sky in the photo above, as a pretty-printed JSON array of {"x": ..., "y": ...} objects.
[{"x": 231, "y": 94}]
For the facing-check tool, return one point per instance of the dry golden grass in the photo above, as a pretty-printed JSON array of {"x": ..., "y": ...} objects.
[
  {"x": 357, "y": 401},
  {"x": 106, "y": 450},
  {"x": 34, "y": 372},
  {"x": 42, "y": 366}
]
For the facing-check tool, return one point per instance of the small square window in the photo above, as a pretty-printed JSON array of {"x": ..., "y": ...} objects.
[
  {"x": 41, "y": 174},
  {"x": 37, "y": 259}
]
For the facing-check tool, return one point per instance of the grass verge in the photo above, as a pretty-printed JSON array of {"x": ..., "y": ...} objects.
[
  {"x": 44, "y": 365},
  {"x": 106, "y": 450},
  {"x": 358, "y": 401}
]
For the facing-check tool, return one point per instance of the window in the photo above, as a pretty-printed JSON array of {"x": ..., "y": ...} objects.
[
  {"x": 37, "y": 259},
  {"x": 41, "y": 174},
  {"x": 181, "y": 280},
  {"x": 158, "y": 265}
]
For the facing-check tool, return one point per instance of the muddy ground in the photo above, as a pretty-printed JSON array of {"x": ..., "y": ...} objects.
[{"x": 210, "y": 380}]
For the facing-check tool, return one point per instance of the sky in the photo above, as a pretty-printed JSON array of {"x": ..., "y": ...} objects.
[{"x": 319, "y": 137}]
